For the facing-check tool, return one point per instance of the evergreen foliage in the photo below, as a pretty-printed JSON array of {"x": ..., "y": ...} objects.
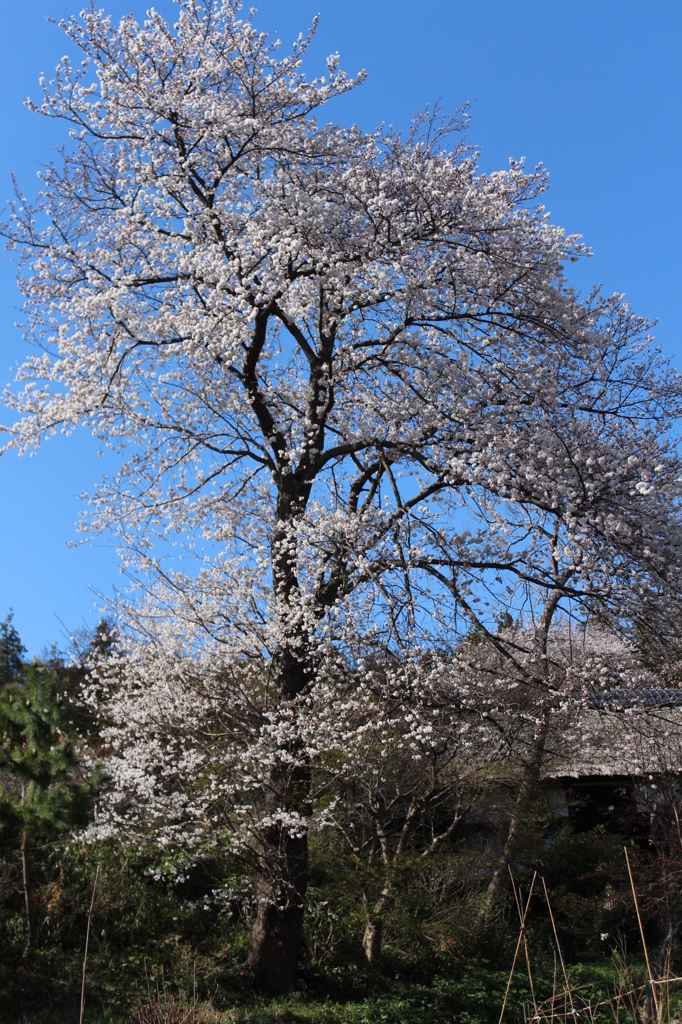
[
  {"x": 11, "y": 652},
  {"x": 439, "y": 958},
  {"x": 45, "y": 786},
  {"x": 45, "y": 782}
]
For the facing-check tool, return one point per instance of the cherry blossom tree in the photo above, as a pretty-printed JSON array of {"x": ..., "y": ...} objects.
[
  {"x": 346, "y": 372},
  {"x": 412, "y": 763}
]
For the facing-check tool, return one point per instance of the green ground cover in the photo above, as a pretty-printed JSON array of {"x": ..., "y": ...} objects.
[
  {"x": 148, "y": 935},
  {"x": 154, "y": 943}
]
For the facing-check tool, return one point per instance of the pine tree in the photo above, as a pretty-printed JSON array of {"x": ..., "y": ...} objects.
[
  {"x": 11, "y": 652},
  {"x": 44, "y": 783}
]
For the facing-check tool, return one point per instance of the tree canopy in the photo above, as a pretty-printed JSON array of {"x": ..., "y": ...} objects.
[
  {"x": 347, "y": 371},
  {"x": 11, "y": 651}
]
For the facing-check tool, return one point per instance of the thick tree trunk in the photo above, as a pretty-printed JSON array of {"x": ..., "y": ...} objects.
[
  {"x": 278, "y": 928},
  {"x": 28, "y": 895},
  {"x": 276, "y": 934}
]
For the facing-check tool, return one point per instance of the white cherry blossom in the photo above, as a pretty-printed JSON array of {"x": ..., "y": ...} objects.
[{"x": 346, "y": 375}]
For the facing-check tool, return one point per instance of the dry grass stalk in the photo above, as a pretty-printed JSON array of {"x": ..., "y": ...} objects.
[
  {"x": 641, "y": 932},
  {"x": 174, "y": 1009},
  {"x": 519, "y": 906},
  {"x": 518, "y": 946},
  {"x": 87, "y": 940},
  {"x": 627, "y": 998},
  {"x": 558, "y": 946},
  {"x": 554, "y": 984}
]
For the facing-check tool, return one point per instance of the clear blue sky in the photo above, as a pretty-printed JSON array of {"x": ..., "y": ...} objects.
[{"x": 592, "y": 88}]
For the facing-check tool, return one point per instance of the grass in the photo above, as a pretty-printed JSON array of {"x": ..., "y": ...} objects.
[
  {"x": 469, "y": 992},
  {"x": 403, "y": 989},
  {"x": 439, "y": 965}
]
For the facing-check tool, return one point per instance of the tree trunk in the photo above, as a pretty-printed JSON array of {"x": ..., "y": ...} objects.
[
  {"x": 283, "y": 883},
  {"x": 529, "y": 782},
  {"x": 276, "y": 934},
  {"x": 660, "y": 963},
  {"x": 374, "y": 929},
  {"x": 28, "y": 895},
  {"x": 371, "y": 941}
]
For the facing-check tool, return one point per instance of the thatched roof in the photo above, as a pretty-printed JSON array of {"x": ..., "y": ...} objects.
[{"x": 636, "y": 733}]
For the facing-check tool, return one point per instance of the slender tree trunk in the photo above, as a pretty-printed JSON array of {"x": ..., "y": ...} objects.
[
  {"x": 371, "y": 940},
  {"x": 529, "y": 783},
  {"x": 658, "y": 968},
  {"x": 374, "y": 929},
  {"x": 660, "y": 964},
  {"x": 28, "y": 895},
  {"x": 531, "y": 773}
]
